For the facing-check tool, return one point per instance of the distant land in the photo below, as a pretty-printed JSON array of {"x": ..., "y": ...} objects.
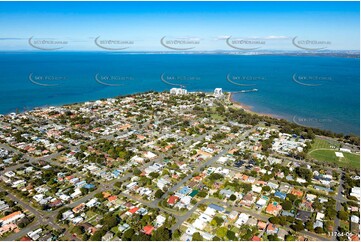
[{"x": 326, "y": 53}]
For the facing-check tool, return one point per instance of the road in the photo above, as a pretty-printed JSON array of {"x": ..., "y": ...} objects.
[
  {"x": 49, "y": 217},
  {"x": 40, "y": 218},
  {"x": 339, "y": 198}
]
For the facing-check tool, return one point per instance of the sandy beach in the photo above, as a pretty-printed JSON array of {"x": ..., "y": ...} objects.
[{"x": 246, "y": 107}]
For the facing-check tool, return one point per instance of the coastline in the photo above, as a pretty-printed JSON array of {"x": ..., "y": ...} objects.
[{"x": 247, "y": 108}]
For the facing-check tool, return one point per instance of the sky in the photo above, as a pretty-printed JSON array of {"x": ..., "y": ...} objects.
[{"x": 165, "y": 26}]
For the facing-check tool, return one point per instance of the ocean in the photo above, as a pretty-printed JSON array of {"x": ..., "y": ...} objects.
[{"x": 322, "y": 92}]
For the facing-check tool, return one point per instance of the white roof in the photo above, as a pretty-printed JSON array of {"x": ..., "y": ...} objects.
[
  {"x": 242, "y": 219},
  {"x": 320, "y": 216}
]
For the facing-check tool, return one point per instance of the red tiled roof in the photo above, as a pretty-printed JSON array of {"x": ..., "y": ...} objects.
[
  {"x": 256, "y": 238},
  {"x": 148, "y": 229},
  {"x": 25, "y": 238},
  {"x": 133, "y": 210},
  {"x": 112, "y": 198},
  {"x": 172, "y": 199},
  {"x": 11, "y": 215}
]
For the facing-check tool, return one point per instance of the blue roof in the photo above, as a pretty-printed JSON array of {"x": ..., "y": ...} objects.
[
  {"x": 185, "y": 190},
  {"x": 216, "y": 207},
  {"x": 116, "y": 173},
  {"x": 280, "y": 195},
  {"x": 89, "y": 186},
  {"x": 323, "y": 188}
]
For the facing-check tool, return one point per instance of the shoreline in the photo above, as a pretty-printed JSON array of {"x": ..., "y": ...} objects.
[
  {"x": 230, "y": 98},
  {"x": 248, "y": 108}
]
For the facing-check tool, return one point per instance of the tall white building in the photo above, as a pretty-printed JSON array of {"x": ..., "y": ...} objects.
[
  {"x": 218, "y": 92},
  {"x": 178, "y": 91}
]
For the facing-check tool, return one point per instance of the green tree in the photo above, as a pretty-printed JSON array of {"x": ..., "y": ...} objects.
[
  {"x": 97, "y": 236},
  {"x": 233, "y": 197},
  {"x": 216, "y": 221},
  {"x": 221, "y": 232},
  {"x": 197, "y": 237},
  {"x": 319, "y": 230},
  {"x": 286, "y": 205},
  {"x": 176, "y": 234},
  {"x": 159, "y": 193},
  {"x": 298, "y": 226},
  {"x": 274, "y": 220},
  {"x": 343, "y": 215},
  {"x": 127, "y": 235},
  {"x": 231, "y": 235},
  {"x": 266, "y": 189},
  {"x": 289, "y": 237},
  {"x": 162, "y": 234}
]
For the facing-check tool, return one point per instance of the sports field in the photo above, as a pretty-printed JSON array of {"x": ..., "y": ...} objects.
[{"x": 324, "y": 150}]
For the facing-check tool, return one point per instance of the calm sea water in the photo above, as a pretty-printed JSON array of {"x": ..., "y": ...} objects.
[{"x": 321, "y": 92}]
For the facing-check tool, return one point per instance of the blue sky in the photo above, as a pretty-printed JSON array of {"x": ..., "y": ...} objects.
[{"x": 139, "y": 26}]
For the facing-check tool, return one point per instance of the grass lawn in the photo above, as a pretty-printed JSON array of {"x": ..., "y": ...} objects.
[
  {"x": 323, "y": 144},
  {"x": 349, "y": 160},
  {"x": 114, "y": 230},
  {"x": 324, "y": 150}
]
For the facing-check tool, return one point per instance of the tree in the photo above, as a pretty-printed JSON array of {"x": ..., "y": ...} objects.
[
  {"x": 304, "y": 173},
  {"x": 330, "y": 213},
  {"x": 319, "y": 230},
  {"x": 127, "y": 235},
  {"x": 291, "y": 197},
  {"x": 289, "y": 237},
  {"x": 274, "y": 220},
  {"x": 343, "y": 215},
  {"x": 231, "y": 235},
  {"x": 202, "y": 194},
  {"x": 162, "y": 234},
  {"x": 140, "y": 237},
  {"x": 110, "y": 221},
  {"x": 282, "y": 220},
  {"x": 197, "y": 237},
  {"x": 176, "y": 234},
  {"x": 286, "y": 205},
  {"x": 78, "y": 230},
  {"x": 309, "y": 225},
  {"x": 137, "y": 172},
  {"x": 317, "y": 205},
  {"x": 233, "y": 197},
  {"x": 297, "y": 227},
  {"x": 159, "y": 193},
  {"x": 221, "y": 232},
  {"x": 246, "y": 187},
  {"x": 97, "y": 236},
  {"x": 266, "y": 189},
  {"x": 217, "y": 221},
  {"x": 84, "y": 191},
  {"x": 272, "y": 237},
  {"x": 215, "y": 176}
]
